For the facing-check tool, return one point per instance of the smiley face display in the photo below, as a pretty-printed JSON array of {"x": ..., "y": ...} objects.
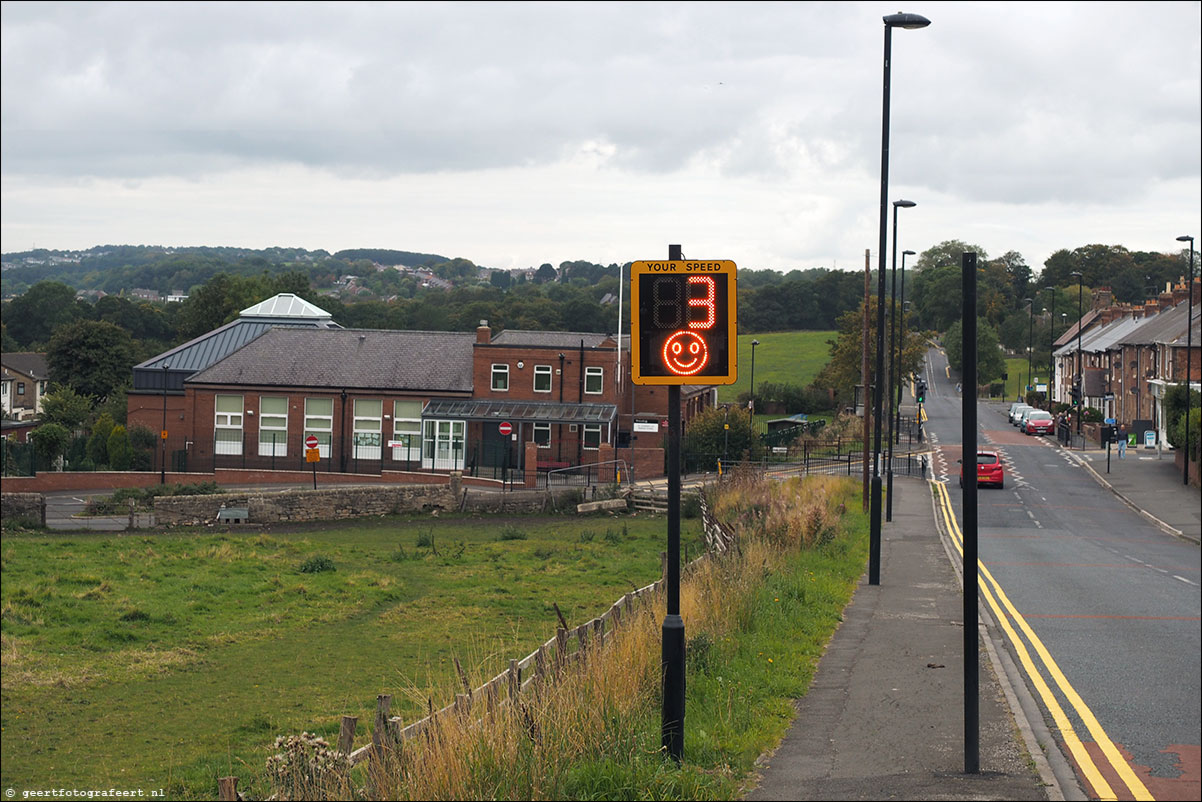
[{"x": 685, "y": 353}]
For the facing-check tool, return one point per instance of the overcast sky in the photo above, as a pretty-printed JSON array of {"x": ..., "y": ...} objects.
[{"x": 514, "y": 134}]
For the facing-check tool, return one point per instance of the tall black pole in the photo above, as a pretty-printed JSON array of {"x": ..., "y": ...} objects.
[
  {"x": 1051, "y": 347},
  {"x": 892, "y": 21},
  {"x": 874, "y": 516},
  {"x": 1030, "y": 344},
  {"x": 968, "y": 437},
  {"x": 163, "y": 433},
  {"x": 1189, "y": 349},
  {"x": 672, "y": 650},
  {"x": 1080, "y": 362},
  {"x": 892, "y": 368}
]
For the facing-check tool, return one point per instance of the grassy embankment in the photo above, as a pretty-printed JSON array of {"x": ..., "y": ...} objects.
[
  {"x": 782, "y": 357},
  {"x": 167, "y": 660}
]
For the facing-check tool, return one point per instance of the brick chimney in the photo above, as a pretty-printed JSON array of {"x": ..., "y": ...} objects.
[{"x": 483, "y": 333}]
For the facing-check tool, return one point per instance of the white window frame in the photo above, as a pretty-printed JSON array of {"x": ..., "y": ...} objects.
[
  {"x": 542, "y": 434},
  {"x": 541, "y": 371},
  {"x": 271, "y": 422},
  {"x": 443, "y": 444},
  {"x": 588, "y": 431},
  {"x": 592, "y": 375},
  {"x": 227, "y": 425},
  {"x": 407, "y": 429},
  {"x": 367, "y": 429},
  {"x": 319, "y": 424},
  {"x": 500, "y": 374}
]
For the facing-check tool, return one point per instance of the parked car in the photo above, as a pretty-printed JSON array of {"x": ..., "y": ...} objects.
[
  {"x": 1016, "y": 411},
  {"x": 1039, "y": 422},
  {"x": 990, "y": 470},
  {"x": 1022, "y": 419}
]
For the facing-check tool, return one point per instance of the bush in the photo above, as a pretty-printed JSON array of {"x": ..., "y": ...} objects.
[
  {"x": 1176, "y": 432},
  {"x": 120, "y": 454},
  {"x": 317, "y": 564},
  {"x": 511, "y": 532}
]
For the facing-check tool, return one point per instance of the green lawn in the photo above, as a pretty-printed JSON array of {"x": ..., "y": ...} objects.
[
  {"x": 166, "y": 660},
  {"x": 784, "y": 357}
]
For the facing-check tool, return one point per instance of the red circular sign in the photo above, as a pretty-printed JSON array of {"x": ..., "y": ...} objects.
[
  {"x": 311, "y": 441},
  {"x": 505, "y": 428}
]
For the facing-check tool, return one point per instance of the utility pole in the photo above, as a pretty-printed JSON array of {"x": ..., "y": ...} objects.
[{"x": 864, "y": 367}]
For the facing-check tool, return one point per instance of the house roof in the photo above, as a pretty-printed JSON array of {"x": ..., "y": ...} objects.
[
  {"x": 26, "y": 363},
  {"x": 1192, "y": 338},
  {"x": 1104, "y": 337},
  {"x": 1168, "y": 325},
  {"x": 286, "y": 305},
  {"x": 419, "y": 361},
  {"x": 1085, "y": 322}
]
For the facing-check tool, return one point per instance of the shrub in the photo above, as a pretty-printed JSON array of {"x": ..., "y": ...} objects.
[
  {"x": 308, "y": 769},
  {"x": 317, "y": 564},
  {"x": 120, "y": 454},
  {"x": 511, "y": 532}
]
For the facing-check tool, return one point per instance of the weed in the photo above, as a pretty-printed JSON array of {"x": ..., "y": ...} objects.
[
  {"x": 612, "y": 537},
  {"x": 317, "y": 564},
  {"x": 587, "y": 535},
  {"x": 511, "y": 532}
]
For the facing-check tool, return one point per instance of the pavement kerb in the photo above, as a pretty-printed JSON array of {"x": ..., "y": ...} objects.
[
  {"x": 1054, "y": 770},
  {"x": 1172, "y": 530}
]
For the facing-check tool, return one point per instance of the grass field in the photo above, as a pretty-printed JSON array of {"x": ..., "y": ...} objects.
[
  {"x": 162, "y": 661},
  {"x": 784, "y": 357}
]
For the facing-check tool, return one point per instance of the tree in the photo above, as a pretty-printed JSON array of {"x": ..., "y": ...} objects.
[
  {"x": 64, "y": 405},
  {"x": 98, "y": 442},
  {"x": 990, "y": 364},
  {"x": 92, "y": 357},
  {"x": 706, "y": 439},
  {"x": 544, "y": 274},
  {"x": 120, "y": 453},
  {"x": 33, "y": 317},
  {"x": 51, "y": 440},
  {"x": 843, "y": 371}
]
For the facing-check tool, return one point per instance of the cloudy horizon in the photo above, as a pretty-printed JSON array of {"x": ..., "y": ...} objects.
[{"x": 515, "y": 134}]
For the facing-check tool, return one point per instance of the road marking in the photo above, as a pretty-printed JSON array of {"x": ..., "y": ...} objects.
[
  {"x": 1186, "y": 581},
  {"x": 1117, "y": 762}
]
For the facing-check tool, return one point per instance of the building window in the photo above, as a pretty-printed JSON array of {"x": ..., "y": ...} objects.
[
  {"x": 542, "y": 378},
  {"x": 20, "y": 388},
  {"x": 443, "y": 446},
  {"x": 368, "y": 419},
  {"x": 406, "y": 430},
  {"x": 500, "y": 378},
  {"x": 319, "y": 422},
  {"x": 542, "y": 435},
  {"x": 227, "y": 424},
  {"x": 593, "y": 380},
  {"x": 273, "y": 427},
  {"x": 592, "y": 437}
]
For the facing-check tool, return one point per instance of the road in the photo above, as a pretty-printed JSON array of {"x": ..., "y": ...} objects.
[{"x": 1099, "y": 607}]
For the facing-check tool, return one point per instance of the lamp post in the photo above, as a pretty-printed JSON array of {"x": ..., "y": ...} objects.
[
  {"x": 894, "y": 375},
  {"x": 908, "y": 22},
  {"x": 1080, "y": 377},
  {"x": 754, "y": 343},
  {"x": 163, "y": 433},
  {"x": 901, "y": 335},
  {"x": 1051, "y": 347},
  {"x": 1030, "y": 341},
  {"x": 1189, "y": 348}
]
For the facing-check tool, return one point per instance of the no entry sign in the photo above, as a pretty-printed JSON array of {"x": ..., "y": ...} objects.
[
  {"x": 505, "y": 428},
  {"x": 311, "y": 441}
]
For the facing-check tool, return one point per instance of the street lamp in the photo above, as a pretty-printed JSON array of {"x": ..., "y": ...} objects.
[
  {"x": 908, "y": 22},
  {"x": 163, "y": 433},
  {"x": 894, "y": 377},
  {"x": 1030, "y": 341},
  {"x": 754, "y": 343},
  {"x": 1079, "y": 379},
  {"x": 1051, "y": 346},
  {"x": 1189, "y": 347},
  {"x": 901, "y": 334}
]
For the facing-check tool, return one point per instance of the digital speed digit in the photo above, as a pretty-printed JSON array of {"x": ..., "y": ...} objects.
[{"x": 683, "y": 326}]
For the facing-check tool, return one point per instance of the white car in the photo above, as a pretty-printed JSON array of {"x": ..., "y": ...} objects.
[{"x": 1016, "y": 411}]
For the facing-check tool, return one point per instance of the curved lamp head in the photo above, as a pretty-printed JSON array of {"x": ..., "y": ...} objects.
[
  {"x": 907, "y": 21},
  {"x": 755, "y": 343},
  {"x": 1186, "y": 238},
  {"x": 904, "y": 204}
]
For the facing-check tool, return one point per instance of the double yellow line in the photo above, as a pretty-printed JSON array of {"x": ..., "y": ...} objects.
[{"x": 1000, "y": 604}]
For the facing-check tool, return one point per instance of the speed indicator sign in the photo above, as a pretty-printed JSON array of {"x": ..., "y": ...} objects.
[{"x": 683, "y": 322}]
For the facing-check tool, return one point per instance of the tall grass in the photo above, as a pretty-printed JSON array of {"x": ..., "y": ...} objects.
[{"x": 594, "y": 732}]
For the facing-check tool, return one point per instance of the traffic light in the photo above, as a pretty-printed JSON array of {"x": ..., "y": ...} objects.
[
  {"x": 921, "y": 389},
  {"x": 1076, "y": 397}
]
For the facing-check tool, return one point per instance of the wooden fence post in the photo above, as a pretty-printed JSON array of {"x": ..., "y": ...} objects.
[
  {"x": 663, "y": 566},
  {"x": 346, "y": 736},
  {"x": 515, "y": 680},
  {"x": 561, "y": 648},
  {"x": 379, "y": 730},
  {"x": 227, "y": 789},
  {"x": 599, "y": 631}
]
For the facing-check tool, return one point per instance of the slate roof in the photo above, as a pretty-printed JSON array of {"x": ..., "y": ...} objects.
[
  {"x": 418, "y": 361},
  {"x": 1169, "y": 324},
  {"x": 26, "y": 363},
  {"x": 541, "y": 411},
  {"x": 551, "y": 339}
]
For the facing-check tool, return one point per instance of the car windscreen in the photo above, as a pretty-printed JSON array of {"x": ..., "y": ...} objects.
[
  {"x": 1040, "y": 416},
  {"x": 986, "y": 459}
]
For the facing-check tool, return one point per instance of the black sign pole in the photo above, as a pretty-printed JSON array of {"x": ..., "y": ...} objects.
[
  {"x": 968, "y": 437},
  {"x": 673, "y": 628}
]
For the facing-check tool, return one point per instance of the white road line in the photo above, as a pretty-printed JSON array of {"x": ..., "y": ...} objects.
[{"x": 1186, "y": 581}]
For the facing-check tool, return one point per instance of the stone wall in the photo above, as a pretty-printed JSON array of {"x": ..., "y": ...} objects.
[
  {"x": 27, "y": 506},
  {"x": 308, "y": 505}
]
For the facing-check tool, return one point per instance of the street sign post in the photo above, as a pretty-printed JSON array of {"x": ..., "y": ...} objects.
[
  {"x": 312, "y": 455},
  {"x": 683, "y": 330},
  {"x": 505, "y": 428}
]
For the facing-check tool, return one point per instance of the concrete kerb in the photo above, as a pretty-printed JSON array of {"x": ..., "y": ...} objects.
[
  {"x": 1159, "y": 523},
  {"x": 1055, "y": 772}
]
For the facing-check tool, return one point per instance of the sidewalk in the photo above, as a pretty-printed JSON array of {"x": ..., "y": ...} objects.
[
  {"x": 884, "y": 717},
  {"x": 1150, "y": 484}
]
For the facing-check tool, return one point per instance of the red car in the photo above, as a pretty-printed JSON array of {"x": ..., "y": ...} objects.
[
  {"x": 1039, "y": 423},
  {"x": 990, "y": 470}
]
